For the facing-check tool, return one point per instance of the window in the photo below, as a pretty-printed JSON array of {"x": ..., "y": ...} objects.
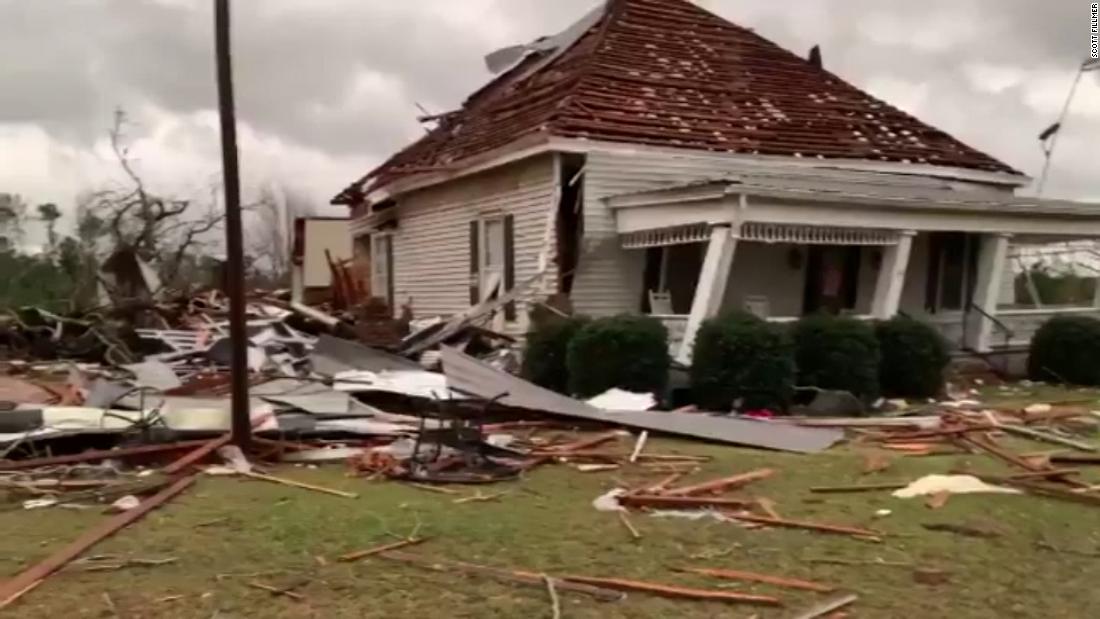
[
  {"x": 951, "y": 271},
  {"x": 381, "y": 267},
  {"x": 492, "y": 263},
  {"x": 1050, "y": 275}
]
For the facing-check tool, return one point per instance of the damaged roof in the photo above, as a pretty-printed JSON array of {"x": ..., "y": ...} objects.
[{"x": 669, "y": 73}]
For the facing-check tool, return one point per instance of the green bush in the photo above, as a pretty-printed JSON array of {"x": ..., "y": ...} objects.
[
  {"x": 1065, "y": 349},
  {"x": 628, "y": 352},
  {"x": 914, "y": 356},
  {"x": 840, "y": 353},
  {"x": 545, "y": 354},
  {"x": 741, "y": 357}
]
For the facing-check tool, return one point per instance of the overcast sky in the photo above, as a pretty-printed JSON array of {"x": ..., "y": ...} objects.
[{"x": 326, "y": 88}]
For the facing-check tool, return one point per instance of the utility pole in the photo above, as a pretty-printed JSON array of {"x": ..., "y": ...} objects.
[{"x": 238, "y": 336}]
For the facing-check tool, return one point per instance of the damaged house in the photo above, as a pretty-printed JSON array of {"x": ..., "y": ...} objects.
[{"x": 657, "y": 158}]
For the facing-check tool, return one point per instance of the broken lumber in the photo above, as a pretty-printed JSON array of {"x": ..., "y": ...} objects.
[
  {"x": 1074, "y": 459},
  {"x": 639, "y": 446},
  {"x": 276, "y": 591},
  {"x": 20, "y": 584},
  {"x": 504, "y": 575},
  {"x": 299, "y": 484},
  {"x": 721, "y": 485},
  {"x": 660, "y": 486},
  {"x": 671, "y": 591},
  {"x": 681, "y": 502},
  {"x": 1046, "y": 437},
  {"x": 362, "y": 554},
  {"x": 584, "y": 444},
  {"x": 822, "y": 609},
  {"x": 623, "y": 518},
  {"x": 197, "y": 455},
  {"x": 858, "y": 488},
  {"x": 99, "y": 454},
  {"x": 780, "y": 581},
  {"x": 805, "y": 524}
]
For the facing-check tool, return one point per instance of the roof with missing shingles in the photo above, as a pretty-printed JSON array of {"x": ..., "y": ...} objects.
[{"x": 669, "y": 73}]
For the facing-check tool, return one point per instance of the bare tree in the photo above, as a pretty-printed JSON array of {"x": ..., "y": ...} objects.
[{"x": 161, "y": 229}]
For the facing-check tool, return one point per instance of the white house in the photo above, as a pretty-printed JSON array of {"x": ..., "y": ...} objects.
[{"x": 656, "y": 158}]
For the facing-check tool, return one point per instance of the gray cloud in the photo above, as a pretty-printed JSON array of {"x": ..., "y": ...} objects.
[{"x": 340, "y": 77}]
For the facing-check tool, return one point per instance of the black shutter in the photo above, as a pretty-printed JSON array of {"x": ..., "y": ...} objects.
[
  {"x": 510, "y": 264},
  {"x": 475, "y": 264}
]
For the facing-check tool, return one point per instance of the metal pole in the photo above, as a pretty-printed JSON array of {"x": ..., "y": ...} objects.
[
  {"x": 242, "y": 425},
  {"x": 1054, "y": 138}
]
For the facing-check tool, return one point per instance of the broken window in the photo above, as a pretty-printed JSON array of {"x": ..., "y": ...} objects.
[{"x": 1050, "y": 275}]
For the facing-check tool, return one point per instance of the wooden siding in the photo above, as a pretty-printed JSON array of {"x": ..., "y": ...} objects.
[{"x": 431, "y": 245}]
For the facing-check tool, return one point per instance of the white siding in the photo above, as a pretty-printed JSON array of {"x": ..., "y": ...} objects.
[
  {"x": 609, "y": 278},
  {"x": 431, "y": 244},
  {"x": 321, "y": 235},
  {"x": 761, "y": 269}
]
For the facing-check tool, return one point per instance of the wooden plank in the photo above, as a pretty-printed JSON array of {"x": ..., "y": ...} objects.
[
  {"x": 299, "y": 484},
  {"x": 505, "y": 575},
  {"x": 17, "y": 586},
  {"x": 721, "y": 485},
  {"x": 362, "y": 554},
  {"x": 805, "y": 524},
  {"x": 739, "y": 575},
  {"x": 681, "y": 502},
  {"x": 859, "y": 487},
  {"x": 822, "y": 609},
  {"x": 671, "y": 591},
  {"x": 197, "y": 455},
  {"x": 99, "y": 454}
]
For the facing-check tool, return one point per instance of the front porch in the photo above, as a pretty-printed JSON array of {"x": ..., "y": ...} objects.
[{"x": 972, "y": 277}]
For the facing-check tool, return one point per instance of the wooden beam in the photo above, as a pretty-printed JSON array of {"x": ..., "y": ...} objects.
[
  {"x": 721, "y": 485},
  {"x": 20, "y": 584},
  {"x": 805, "y": 524},
  {"x": 670, "y": 591},
  {"x": 99, "y": 454},
  {"x": 780, "y": 581}
]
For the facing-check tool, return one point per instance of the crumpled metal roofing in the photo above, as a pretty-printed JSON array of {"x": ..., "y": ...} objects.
[{"x": 669, "y": 73}]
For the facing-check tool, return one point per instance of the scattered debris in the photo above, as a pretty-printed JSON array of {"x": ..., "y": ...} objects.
[
  {"x": 671, "y": 591},
  {"x": 827, "y": 607},
  {"x": 961, "y": 529},
  {"x": 362, "y": 554},
  {"x": 951, "y": 484},
  {"x": 623, "y": 518},
  {"x": 931, "y": 576},
  {"x": 780, "y": 581}
]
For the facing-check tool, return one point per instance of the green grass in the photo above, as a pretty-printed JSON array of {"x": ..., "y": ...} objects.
[{"x": 275, "y": 534}]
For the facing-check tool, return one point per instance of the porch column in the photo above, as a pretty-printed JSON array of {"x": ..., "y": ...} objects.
[
  {"x": 711, "y": 288},
  {"x": 891, "y": 276},
  {"x": 992, "y": 255}
]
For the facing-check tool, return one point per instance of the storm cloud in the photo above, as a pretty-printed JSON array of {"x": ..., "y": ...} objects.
[{"x": 327, "y": 88}]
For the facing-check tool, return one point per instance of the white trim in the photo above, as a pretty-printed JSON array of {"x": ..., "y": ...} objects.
[
  {"x": 987, "y": 290},
  {"x": 764, "y": 232},
  {"x": 711, "y": 289},
  {"x": 891, "y": 277},
  {"x": 1083, "y": 309},
  {"x": 664, "y": 237},
  {"x": 540, "y": 143}
]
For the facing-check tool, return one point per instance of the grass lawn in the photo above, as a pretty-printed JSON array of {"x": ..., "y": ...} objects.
[{"x": 227, "y": 532}]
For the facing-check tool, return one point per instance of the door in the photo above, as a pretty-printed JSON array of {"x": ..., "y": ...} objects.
[{"x": 832, "y": 279}]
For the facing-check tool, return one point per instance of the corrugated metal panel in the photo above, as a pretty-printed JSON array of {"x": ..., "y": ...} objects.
[
  {"x": 431, "y": 246},
  {"x": 609, "y": 280}
]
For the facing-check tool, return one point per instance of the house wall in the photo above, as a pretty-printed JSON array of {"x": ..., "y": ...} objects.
[
  {"x": 761, "y": 269},
  {"x": 609, "y": 278},
  {"x": 332, "y": 235},
  {"x": 431, "y": 243}
]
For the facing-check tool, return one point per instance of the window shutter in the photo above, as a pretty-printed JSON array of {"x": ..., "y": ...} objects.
[
  {"x": 510, "y": 264},
  {"x": 475, "y": 265}
]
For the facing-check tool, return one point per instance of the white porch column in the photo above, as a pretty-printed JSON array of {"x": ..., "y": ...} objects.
[
  {"x": 711, "y": 288},
  {"x": 992, "y": 256},
  {"x": 891, "y": 276}
]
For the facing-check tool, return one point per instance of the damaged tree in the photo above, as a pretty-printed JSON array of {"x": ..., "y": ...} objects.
[{"x": 164, "y": 230}]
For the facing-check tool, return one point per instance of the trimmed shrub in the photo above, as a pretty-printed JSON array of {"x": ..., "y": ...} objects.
[
  {"x": 914, "y": 357},
  {"x": 1065, "y": 349},
  {"x": 833, "y": 352},
  {"x": 626, "y": 351},
  {"x": 741, "y": 357},
  {"x": 547, "y": 346}
]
